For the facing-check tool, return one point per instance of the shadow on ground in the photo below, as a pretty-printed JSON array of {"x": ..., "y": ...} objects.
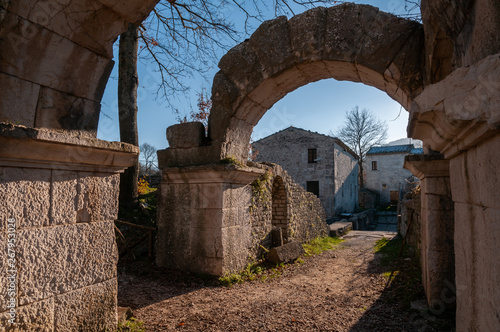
[{"x": 403, "y": 293}]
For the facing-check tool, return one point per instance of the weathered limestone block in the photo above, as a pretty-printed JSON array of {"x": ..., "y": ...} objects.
[
  {"x": 91, "y": 308},
  {"x": 24, "y": 193},
  {"x": 18, "y": 100},
  {"x": 51, "y": 60},
  {"x": 57, "y": 110},
  {"x": 476, "y": 238},
  {"x": 385, "y": 37},
  {"x": 37, "y": 316},
  {"x": 286, "y": 253},
  {"x": 97, "y": 197},
  {"x": 242, "y": 66},
  {"x": 73, "y": 20},
  {"x": 271, "y": 43},
  {"x": 186, "y": 135},
  {"x": 59, "y": 259},
  {"x": 307, "y": 34},
  {"x": 202, "y": 225},
  {"x": 64, "y": 197},
  {"x": 342, "y": 40},
  {"x": 472, "y": 181}
]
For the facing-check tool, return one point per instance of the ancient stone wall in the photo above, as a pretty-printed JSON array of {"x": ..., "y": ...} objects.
[
  {"x": 304, "y": 218},
  {"x": 216, "y": 219},
  {"x": 474, "y": 184},
  {"x": 410, "y": 224},
  {"x": 59, "y": 199}
]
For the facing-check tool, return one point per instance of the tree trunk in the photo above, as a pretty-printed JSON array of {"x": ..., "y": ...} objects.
[
  {"x": 361, "y": 177},
  {"x": 127, "y": 110}
]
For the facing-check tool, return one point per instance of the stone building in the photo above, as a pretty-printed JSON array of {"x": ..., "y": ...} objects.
[
  {"x": 384, "y": 172},
  {"x": 322, "y": 164}
]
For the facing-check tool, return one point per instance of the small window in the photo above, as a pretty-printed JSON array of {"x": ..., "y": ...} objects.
[
  {"x": 313, "y": 187},
  {"x": 384, "y": 186},
  {"x": 374, "y": 166},
  {"x": 312, "y": 155}
]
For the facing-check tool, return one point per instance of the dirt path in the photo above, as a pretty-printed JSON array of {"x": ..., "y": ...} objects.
[{"x": 340, "y": 290}]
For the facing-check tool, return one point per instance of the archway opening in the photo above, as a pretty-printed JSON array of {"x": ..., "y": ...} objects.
[{"x": 279, "y": 219}]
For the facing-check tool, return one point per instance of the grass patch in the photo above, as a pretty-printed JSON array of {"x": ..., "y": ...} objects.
[
  {"x": 321, "y": 244},
  {"x": 131, "y": 325},
  {"x": 260, "y": 271}
]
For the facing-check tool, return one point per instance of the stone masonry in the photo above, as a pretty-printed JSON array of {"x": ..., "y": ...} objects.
[
  {"x": 58, "y": 183},
  {"x": 335, "y": 168},
  {"x": 216, "y": 219},
  {"x": 55, "y": 59},
  {"x": 59, "y": 199},
  {"x": 444, "y": 72}
]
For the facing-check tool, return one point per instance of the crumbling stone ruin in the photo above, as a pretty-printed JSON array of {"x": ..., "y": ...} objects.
[
  {"x": 229, "y": 214},
  {"x": 55, "y": 61}
]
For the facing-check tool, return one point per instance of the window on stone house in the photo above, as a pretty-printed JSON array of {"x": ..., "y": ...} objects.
[
  {"x": 374, "y": 166},
  {"x": 313, "y": 187},
  {"x": 312, "y": 155}
]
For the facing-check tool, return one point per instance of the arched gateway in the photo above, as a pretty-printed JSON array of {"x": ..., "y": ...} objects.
[
  {"x": 347, "y": 42},
  {"x": 444, "y": 72},
  {"x": 350, "y": 42}
]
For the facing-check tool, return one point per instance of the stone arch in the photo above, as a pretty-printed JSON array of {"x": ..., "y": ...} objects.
[
  {"x": 351, "y": 42},
  {"x": 279, "y": 207},
  {"x": 56, "y": 57}
]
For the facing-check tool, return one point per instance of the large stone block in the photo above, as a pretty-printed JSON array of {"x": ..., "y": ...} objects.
[
  {"x": 342, "y": 39},
  {"x": 286, "y": 253},
  {"x": 97, "y": 196},
  {"x": 59, "y": 259},
  {"x": 271, "y": 43},
  {"x": 57, "y": 110},
  {"x": 18, "y": 100},
  {"x": 206, "y": 242},
  {"x": 25, "y": 196},
  {"x": 484, "y": 167},
  {"x": 307, "y": 34},
  {"x": 63, "y": 197},
  {"x": 51, "y": 60},
  {"x": 487, "y": 265},
  {"x": 186, "y": 135},
  {"x": 465, "y": 273},
  {"x": 242, "y": 66},
  {"x": 73, "y": 20},
  {"x": 37, "y": 316},
  {"x": 91, "y": 308}
]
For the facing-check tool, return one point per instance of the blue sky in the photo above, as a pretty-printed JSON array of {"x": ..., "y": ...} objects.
[{"x": 318, "y": 106}]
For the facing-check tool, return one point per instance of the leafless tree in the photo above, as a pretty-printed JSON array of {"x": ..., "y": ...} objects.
[
  {"x": 148, "y": 153},
  {"x": 362, "y": 130},
  {"x": 181, "y": 38}
]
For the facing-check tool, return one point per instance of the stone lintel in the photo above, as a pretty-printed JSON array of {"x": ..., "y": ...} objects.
[
  {"x": 38, "y": 148},
  {"x": 426, "y": 166},
  {"x": 215, "y": 173}
]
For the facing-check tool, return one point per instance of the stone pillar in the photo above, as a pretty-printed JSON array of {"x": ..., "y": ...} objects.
[
  {"x": 475, "y": 187},
  {"x": 59, "y": 199},
  {"x": 437, "y": 229},
  {"x": 203, "y": 218}
]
